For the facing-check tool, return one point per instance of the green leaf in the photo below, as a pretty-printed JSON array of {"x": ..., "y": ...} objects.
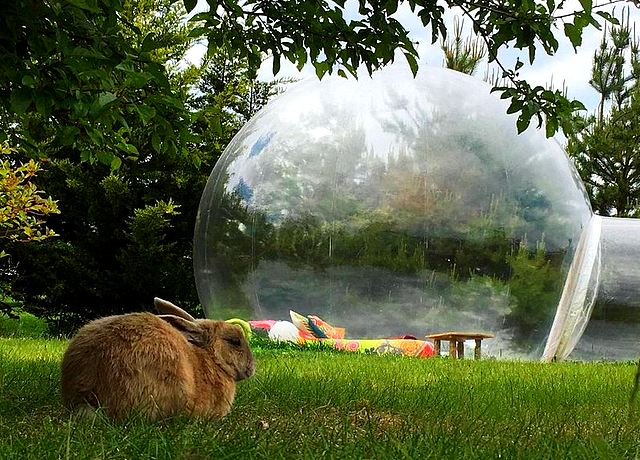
[
  {"x": 172, "y": 102},
  {"x": 155, "y": 143},
  {"x": 189, "y": 5},
  {"x": 523, "y": 122},
  {"x": 105, "y": 98},
  {"x": 276, "y": 64},
  {"x": 515, "y": 106},
  {"x": 532, "y": 54},
  {"x": 159, "y": 77},
  {"x": 68, "y": 135},
  {"x": 322, "y": 67},
  {"x": 126, "y": 66},
  {"x": 105, "y": 157},
  {"x": 146, "y": 113},
  {"x": 89, "y": 5},
  {"x": 20, "y": 100},
  {"x": 128, "y": 148},
  {"x": 551, "y": 126},
  {"x": 137, "y": 79},
  {"x": 582, "y": 20},
  {"x": 608, "y": 17},
  {"x": 101, "y": 103},
  {"x": 94, "y": 135},
  {"x": 587, "y": 6},
  {"x": 413, "y": 63},
  {"x": 149, "y": 43},
  {"x": 115, "y": 163},
  {"x": 29, "y": 81},
  {"x": 301, "y": 57},
  {"x": 88, "y": 53},
  {"x": 577, "y": 105},
  {"x": 574, "y": 34},
  {"x": 215, "y": 123},
  {"x": 43, "y": 104},
  {"x": 551, "y": 5}
]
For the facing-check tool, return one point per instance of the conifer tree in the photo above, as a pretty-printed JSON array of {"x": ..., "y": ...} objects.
[{"x": 604, "y": 145}]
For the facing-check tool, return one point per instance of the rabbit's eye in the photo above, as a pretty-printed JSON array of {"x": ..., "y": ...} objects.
[{"x": 235, "y": 341}]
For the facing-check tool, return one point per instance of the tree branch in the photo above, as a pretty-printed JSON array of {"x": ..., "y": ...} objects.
[{"x": 610, "y": 2}]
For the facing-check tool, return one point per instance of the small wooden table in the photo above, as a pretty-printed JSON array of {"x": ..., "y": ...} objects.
[{"x": 456, "y": 342}]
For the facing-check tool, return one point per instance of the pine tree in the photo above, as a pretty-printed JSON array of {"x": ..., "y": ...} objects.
[
  {"x": 604, "y": 145},
  {"x": 463, "y": 55}
]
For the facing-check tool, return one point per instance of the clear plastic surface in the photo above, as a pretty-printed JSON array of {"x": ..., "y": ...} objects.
[
  {"x": 613, "y": 328},
  {"x": 390, "y": 206}
]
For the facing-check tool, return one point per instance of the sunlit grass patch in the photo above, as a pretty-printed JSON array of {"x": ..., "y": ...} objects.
[{"x": 23, "y": 325}]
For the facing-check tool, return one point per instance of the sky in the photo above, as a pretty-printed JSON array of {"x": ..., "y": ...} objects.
[{"x": 568, "y": 66}]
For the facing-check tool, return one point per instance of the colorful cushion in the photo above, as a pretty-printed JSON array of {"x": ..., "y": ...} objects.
[
  {"x": 316, "y": 327},
  {"x": 324, "y": 330},
  {"x": 405, "y": 347},
  {"x": 262, "y": 324},
  {"x": 302, "y": 323},
  {"x": 284, "y": 331}
]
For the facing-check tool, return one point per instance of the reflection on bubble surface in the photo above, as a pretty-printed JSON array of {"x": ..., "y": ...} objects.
[{"x": 392, "y": 205}]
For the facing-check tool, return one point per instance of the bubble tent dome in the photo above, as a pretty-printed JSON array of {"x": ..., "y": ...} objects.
[{"x": 398, "y": 205}]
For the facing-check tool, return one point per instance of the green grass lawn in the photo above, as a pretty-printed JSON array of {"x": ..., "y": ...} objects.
[{"x": 315, "y": 404}]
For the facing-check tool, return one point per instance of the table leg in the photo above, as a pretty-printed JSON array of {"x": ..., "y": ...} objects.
[
  {"x": 436, "y": 347},
  {"x": 461, "y": 349},
  {"x": 453, "y": 351},
  {"x": 477, "y": 353}
]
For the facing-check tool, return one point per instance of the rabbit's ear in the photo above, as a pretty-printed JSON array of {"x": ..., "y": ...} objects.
[
  {"x": 190, "y": 330},
  {"x": 168, "y": 308}
]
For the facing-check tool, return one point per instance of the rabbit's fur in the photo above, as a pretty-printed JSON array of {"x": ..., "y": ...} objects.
[{"x": 158, "y": 366}]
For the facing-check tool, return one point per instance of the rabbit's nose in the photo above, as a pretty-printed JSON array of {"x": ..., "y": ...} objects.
[{"x": 250, "y": 370}]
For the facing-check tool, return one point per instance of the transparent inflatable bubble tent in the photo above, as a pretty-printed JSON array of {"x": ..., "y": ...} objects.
[{"x": 396, "y": 205}]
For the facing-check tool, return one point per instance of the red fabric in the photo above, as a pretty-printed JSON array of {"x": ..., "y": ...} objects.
[{"x": 262, "y": 324}]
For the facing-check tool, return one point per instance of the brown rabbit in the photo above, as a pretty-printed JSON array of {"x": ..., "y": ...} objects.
[{"x": 158, "y": 366}]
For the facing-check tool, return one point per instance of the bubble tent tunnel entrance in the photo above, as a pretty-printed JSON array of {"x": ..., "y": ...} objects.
[
  {"x": 605, "y": 270},
  {"x": 601, "y": 271},
  {"x": 398, "y": 205}
]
